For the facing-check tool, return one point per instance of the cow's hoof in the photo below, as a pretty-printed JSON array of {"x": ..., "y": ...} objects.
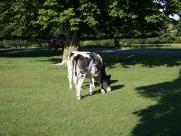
[
  {"x": 90, "y": 93},
  {"x": 109, "y": 89},
  {"x": 71, "y": 89},
  {"x": 103, "y": 92},
  {"x": 78, "y": 98},
  {"x": 93, "y": 86}
]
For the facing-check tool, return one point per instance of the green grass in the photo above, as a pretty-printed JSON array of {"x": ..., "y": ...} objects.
[{"x": 35, "y": 98}]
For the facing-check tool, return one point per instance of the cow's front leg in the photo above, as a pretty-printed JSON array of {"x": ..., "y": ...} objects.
[
  {"x": 102, "y": 90},
  {"x": 78, "y": 88},
  {"x": 92, "y": 83}
]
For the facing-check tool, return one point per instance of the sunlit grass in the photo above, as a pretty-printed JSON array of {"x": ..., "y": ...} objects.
[{"x": 35, "y": 98}]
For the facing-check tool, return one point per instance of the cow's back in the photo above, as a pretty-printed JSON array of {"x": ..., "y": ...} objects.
[{"x": 81, "y": 64}]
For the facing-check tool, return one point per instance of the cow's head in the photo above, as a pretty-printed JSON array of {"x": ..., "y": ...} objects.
[{"x": 106, "y": 83}]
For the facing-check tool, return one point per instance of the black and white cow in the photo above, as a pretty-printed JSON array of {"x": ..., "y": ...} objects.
[
  {"x": 69, "y": 62},
  {"x": 89, "y": 65}
]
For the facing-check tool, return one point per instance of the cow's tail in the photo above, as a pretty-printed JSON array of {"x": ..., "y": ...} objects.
[{"x": 65, "y": 61}]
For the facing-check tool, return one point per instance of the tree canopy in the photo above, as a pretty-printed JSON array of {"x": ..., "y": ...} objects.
[{"x": 84, "y": 19}]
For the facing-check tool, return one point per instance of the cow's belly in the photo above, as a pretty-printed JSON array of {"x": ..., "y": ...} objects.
[
  {"x": 97, "y": 78},
  {"x": 88, "y": 75}
]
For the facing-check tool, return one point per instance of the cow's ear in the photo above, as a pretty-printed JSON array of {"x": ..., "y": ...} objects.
[{"x": 109, "y": 76}]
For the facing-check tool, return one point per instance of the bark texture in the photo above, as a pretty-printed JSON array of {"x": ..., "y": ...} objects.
[{"x": 72, "y": 43}]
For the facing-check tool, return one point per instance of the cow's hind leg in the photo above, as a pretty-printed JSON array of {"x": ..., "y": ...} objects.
[
  {"x": 78, "y": 87},
  {"x": 70, "y": 69},
  {"x": 70, "y": 82},
  {"x": 91, "y": 84}
]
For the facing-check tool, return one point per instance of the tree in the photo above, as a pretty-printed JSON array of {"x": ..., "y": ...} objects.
[
  {"x": 71, "y": 17},
  {"x": 169, "y": 7},
  {"x": 178, "y": 27},
  {"x": 82, "y": 18},
  {"x": 112, "y": 18}
]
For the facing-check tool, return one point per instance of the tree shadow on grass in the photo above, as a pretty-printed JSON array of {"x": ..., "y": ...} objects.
[
  {"x": 110, "y": 59},
  {"x": 55, "y": 60},
  {"x": 164, "y": 118},
  {"x": 29, "y": 53},
  {"x": 98, "y": 89},
  {"x": 125, "y": 60},
  {"x": 116, "y": 87},
  {"x": 97, "y": 85},
  {"x": 128, "y": 61}
]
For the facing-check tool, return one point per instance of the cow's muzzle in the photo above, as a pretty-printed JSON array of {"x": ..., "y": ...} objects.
[{"x": 108, "y": 89}]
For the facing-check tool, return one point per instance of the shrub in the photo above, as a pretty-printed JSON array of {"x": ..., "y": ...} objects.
[
  {"x": 141, "y": 41},
  {"x": 106, "y": 42},
  {"x": 1, "y": 43},
  {"x": 165, "y": 38},
  {"x": 125, "y": 41},
  {"x": 132, "y": 41},
  {"x": 152, "y": 40},
  {"x": 22, "y": 43},
  {"x": 177, "y": 40},
  {"x": 15, "y": 42},
  {"x": 91, "y": 43}
]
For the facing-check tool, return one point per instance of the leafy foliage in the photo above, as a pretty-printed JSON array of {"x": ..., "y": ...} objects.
[
  {"x": 178, "y": 27},
  {"x": 85, "y": 19}
]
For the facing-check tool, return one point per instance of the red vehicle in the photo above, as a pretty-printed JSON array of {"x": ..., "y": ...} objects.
[{"x": 56, "y": 43}]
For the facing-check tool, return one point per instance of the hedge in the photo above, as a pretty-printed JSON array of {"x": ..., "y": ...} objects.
[
  {"x": 104, "y": 42},
  {"x": 23, "y": 43}
]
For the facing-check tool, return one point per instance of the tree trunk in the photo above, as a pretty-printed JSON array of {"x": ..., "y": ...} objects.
[{"x": 72, "y": 43}]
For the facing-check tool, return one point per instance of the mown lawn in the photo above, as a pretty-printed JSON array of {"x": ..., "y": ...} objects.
[{"x": 35, "y": 98}]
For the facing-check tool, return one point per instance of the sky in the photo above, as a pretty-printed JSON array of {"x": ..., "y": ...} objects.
[{"x": 176, "y": 17}]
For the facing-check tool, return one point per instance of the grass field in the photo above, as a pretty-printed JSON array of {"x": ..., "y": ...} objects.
[{"x": 35, "y": 99}]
